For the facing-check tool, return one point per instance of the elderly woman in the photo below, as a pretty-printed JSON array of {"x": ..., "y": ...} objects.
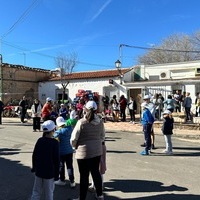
[{"x": 87, "y": 138}]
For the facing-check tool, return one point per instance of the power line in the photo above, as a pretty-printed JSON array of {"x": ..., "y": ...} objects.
[
  {"x": 26, "y": 12},
  {"x": 158, "y": 49},
  {"x": 49, "y": 56}
]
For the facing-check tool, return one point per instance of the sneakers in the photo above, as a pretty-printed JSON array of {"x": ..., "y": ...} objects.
[
  {"x": 99, "y": 197},
  {"x": 91, "y": 188},
  {"x": 144, "y": 153},
  {"x": 130, "y": 122},
  {"x": 168, "y": 152},
  {"x": 59, "y": 182},
  {"x": 72, "y": 184}
]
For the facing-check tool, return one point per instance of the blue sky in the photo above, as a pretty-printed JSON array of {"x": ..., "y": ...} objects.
[{"x": 34, "y": 32}]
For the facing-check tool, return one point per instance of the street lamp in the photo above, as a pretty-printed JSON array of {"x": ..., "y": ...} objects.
[{"x": 118, "y": 66}]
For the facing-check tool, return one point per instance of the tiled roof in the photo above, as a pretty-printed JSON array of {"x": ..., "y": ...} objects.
[
  {"x": 93, "y": 74},
  {"x": 24, "y": 67}
]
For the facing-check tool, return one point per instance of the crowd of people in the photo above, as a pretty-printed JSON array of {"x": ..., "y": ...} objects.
[
  {"x": 62, "y": 136},
  {"x": 77, "y": 128},
  {"x": 176, "y": 103}
]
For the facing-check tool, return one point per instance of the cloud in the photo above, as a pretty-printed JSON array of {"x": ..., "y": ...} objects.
[{"x": 100, "y": 10}]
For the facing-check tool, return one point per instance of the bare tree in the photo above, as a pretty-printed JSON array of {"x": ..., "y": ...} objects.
[
  {"x": 65, "y": 64},
  {"x": 175, "y": 48}
]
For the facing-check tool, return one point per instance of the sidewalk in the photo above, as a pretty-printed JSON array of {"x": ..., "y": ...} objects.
[
  {"x": 182, "y": 130},
  {"x": 137, "y": 127}
]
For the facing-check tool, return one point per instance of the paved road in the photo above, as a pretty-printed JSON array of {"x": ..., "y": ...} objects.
[{"x": 129, "y": 175}]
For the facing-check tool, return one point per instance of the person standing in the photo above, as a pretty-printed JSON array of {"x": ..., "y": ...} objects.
[
  {"x": 152, "y": 109},
  {"x": 167, "y": 130},
  {"x": 197, "y": 114},
  {"x": 147, "y": 122},
  {"x": 87, "y": 138},
  {"x": 132, "y": 106},
  {"x": 187, "y": 104},
  {"x": 47, "y": 109},
  {"x": 197, "y": 103},
  {"x": 169, "y": 103},
  {"x": 63, "y": 111},
  {"x": 1, "y": 110},
  {"x": 23, "y": 106},
  {"x": 122, "y": 105},
  {"x": 45, "y": 163},
  {"x": 36, "y": 110},
  {"x": 115, "y": 108},
  {"x": 63, "y": 134}
]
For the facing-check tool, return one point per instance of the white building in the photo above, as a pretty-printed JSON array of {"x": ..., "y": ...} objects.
[{"x": 136, "y": 81}]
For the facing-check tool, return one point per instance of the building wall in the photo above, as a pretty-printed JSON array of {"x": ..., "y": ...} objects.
[
  {"x": 19, "y": 81},
  {"x": 102, "y": 86}
]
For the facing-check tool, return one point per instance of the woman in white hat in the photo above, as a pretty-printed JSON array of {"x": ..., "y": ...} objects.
[{"x": 87, "y": 138}]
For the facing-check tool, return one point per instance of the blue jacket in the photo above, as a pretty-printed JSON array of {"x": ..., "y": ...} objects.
[
  {"x": 64, "y": 135},
  {"x": 147, "y": 117}
]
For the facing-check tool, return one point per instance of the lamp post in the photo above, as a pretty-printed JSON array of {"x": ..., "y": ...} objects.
[{"x": 118, "y": 66}]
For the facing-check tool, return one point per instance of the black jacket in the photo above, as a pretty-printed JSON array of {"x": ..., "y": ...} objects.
[
  {"x": 168, "y": 125},
  {"x": 45, "y": 158}
]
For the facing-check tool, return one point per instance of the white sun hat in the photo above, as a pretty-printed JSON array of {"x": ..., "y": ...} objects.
[
  {"x": 91, "y": 104},
  {"x": 60, "y": 121},
  {"x": 48, "y": 126}
]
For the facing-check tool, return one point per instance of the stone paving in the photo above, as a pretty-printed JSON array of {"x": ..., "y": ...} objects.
[{"x": 184, "y": 132}]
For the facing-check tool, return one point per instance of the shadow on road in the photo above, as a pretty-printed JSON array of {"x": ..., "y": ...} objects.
[{"x": 16, "y": 179}]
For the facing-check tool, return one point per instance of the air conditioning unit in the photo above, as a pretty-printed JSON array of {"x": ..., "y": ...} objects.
[
  {"x": 164, "y": 75},
  {"x": 197, "y": 71}
]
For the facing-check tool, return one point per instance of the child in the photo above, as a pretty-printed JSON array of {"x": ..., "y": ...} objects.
[
  {"x": 167, "y": 128},
  {"x": 45, "y": 163},
  {"x": 102, "y": 167},
  {"x": 147, "y": 121},
  {"x": 63, "y": 134}
]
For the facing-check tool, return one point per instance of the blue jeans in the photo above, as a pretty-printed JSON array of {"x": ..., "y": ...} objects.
[
  {"x": 68, "y": 160},
  {"x": 147, "y": 136}
]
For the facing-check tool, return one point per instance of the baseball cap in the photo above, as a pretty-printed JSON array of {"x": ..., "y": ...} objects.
[
  {"x": 60, "y": 121},
  {"x": 167, "y": 112},
  {"x": 48, "y": 126},
  {"x": 146, "y": 97},
  {"x": 91, "y": 104},
  {"x": 49, "y": 99}
]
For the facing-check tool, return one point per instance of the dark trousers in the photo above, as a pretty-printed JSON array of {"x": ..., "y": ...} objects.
[
  {"x": 87, "y": 166},
  {"x": 23, "y": 114},
  {"x": 123, "y": 114},
  {"x": 36, "y": 123},
  {"x": 147, "y": 128},
  {"x": 187, "y": 112},
  {"x": 68, "y": 160},
  {"x": 132, "y": 114}
]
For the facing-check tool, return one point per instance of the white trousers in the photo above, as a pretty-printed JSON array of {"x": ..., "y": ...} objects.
[
  {"x": 45, "y": 186},
  {"x": 168, "y": 142}
]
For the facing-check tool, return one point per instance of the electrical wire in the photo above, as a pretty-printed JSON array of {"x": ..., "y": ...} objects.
[
  {"x": 22, "y": 17},
  {"x": 158, "y": 49}
]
